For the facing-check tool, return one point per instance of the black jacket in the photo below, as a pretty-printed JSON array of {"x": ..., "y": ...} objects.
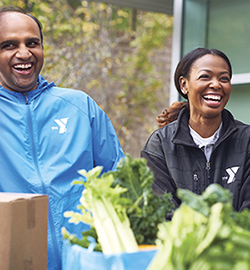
[{"x": 177, "y": 162}]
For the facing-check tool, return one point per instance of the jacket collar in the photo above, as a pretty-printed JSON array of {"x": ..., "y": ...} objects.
[
  {"x": 229, "y": 125},
  {"x": 182, "y": 133},
  {"x": 42, "y": 85}
]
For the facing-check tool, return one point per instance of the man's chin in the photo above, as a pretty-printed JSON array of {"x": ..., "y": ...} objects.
[{"x": 23, "y": 87}]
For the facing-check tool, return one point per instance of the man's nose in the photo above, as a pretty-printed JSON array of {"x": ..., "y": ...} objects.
[{"x": 23, "y": 52}]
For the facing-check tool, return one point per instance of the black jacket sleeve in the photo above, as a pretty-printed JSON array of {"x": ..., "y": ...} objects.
[
  {"x": 163, "y": 182},
  {"x": 244, "y": 194}
]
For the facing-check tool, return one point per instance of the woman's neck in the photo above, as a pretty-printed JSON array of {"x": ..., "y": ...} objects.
[{"x": 205, "y": 127}]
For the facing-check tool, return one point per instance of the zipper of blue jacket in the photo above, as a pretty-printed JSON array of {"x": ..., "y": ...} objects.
[{"x": 51, "y": 223}]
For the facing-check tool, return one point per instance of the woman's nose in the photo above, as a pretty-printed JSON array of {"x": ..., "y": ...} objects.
[{"x": 215, "y": 84}]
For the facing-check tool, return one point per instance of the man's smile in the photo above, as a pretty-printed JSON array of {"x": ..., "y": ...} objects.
[{"x": 23, "y": 66}]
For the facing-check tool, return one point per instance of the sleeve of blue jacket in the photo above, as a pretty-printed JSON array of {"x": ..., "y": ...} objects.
[{"x": 106, "y": 147}]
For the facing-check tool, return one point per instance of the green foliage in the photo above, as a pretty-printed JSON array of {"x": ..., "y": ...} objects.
[
  {"x": 103, "y": 208},
  {"x": 85, "y": 241},
  {"x": 202, "y": 203},
  {"x": 118, "y": 203},
  {"x": 136, "y": 177},
  {"x": 205, "y": 233},
  {"x": 142, "y": 80}
]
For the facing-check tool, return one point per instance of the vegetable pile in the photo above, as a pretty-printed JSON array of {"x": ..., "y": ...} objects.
[
  {"x": 148, "y": 210},
  {"x": 205, "y": 233},
  {"x": 120, "y": 207}
]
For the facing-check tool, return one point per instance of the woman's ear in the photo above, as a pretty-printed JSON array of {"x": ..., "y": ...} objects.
[{"x": 183, "y": 85}]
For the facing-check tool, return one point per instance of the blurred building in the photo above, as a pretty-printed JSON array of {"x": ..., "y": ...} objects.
[{"x": 220, "y": 24}]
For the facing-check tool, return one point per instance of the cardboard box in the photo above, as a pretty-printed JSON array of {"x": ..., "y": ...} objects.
[{"x": 23, "y": 231}]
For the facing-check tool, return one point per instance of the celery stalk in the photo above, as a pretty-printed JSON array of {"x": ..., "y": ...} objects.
[
  {"x": 108, "y": 212},
  {"x": 114, "y": 235}
]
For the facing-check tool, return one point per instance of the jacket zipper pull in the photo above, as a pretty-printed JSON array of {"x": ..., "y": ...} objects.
[
  {"x": 195, "y": 182},
  {"x": 26, "y": 98},
  {"x": 208, "y": 173}
]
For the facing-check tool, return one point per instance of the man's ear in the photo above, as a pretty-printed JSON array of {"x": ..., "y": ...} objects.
[{"x": 183, "y": 85}]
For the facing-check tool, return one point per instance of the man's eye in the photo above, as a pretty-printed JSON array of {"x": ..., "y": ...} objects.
[
  {"x": 8, "y": 46},
  {"x": 33, "y": 44}
]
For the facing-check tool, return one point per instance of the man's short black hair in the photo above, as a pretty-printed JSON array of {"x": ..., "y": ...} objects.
[{"x": 20, "y": 10}]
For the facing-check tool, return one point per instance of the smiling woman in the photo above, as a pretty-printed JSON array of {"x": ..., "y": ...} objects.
[
  {"x": 199, "y": 140},
  {"x": 208, "y": 89}
]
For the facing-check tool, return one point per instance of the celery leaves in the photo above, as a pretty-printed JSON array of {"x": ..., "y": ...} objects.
[
  {"x": 205, "y": 233},
  {"x": 148, "y": 210},
  {"x": 103, "y": 207}
]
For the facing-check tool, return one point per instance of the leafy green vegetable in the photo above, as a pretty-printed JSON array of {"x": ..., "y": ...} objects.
[
  {"x": 215, "y": 193},
  {"x": 84, "y": 242},
  {"x": 148, "y": 209},
  {"x": 205, "y": 233},
  {"x": 242, "y": 219},
  {"x": 202, "y": 203},
  {"x": 116, "y": 202},
  {"x": 104, "y": 208}
]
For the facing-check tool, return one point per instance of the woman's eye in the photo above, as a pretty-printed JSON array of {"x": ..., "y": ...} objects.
[
  {"x": 225, "y": 79},
  {"x": 204, "y": 76}
]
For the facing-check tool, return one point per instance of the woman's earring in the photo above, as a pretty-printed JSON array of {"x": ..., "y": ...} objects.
[{"x": 184, "y": 91}]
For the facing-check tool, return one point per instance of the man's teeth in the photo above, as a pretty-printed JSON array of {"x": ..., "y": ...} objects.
[
  {"x": 213, "y": 97},
  {"x": 23, "y": 66}
]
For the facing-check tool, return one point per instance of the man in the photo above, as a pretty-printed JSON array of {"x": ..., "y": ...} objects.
[{"x": 47, "y": 133}]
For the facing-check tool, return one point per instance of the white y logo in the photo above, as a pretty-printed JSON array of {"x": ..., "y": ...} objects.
[
  {"x": 62, "y": 124},
  {"x": 232, "y": 172}
]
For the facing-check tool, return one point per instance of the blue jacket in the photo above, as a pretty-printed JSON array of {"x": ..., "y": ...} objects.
[{"x": 47, "y": 135}]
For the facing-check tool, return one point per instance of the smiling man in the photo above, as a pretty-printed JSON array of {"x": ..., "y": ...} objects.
[
  {"x": 47, "y": 133},
  {"x": 21, "y": 52}
]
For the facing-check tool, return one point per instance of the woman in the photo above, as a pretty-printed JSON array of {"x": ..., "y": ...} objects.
[{"x": 205, "y": 144}]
